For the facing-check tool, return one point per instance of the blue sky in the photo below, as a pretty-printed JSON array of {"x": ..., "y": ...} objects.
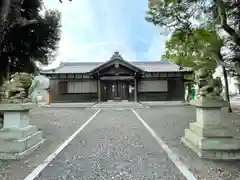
[{"x": 93, "y": 29}]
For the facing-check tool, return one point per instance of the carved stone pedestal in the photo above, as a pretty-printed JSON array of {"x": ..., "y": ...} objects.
[
  {"x": 209, "y": 137},
  {"x": 17, "y": 137}
]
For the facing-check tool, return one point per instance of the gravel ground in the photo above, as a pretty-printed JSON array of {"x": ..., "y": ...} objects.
[
  {"x": 170, "y": 122},
  {"x": 57, "y": 126},
  {"x": 115, "y": 145}
]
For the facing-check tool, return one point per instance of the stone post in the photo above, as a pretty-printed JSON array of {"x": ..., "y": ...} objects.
[
  {"x": 135, "y": 89},
  {"x": 210, "y": 137},
  {"x": 99, "y": 90}
]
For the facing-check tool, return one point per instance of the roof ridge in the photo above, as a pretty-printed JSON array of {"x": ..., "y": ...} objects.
[
  {"x": 92, "y": 62},
  {"x": 82, "y": 62},
  {"x": 116, "y": 56}
]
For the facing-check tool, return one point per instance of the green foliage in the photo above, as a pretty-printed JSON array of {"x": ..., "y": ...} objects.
[
  {"x": 196, "y": 48},
  {"x": 191, "y": 44},
  {"x": 23, "y": 45},
  {"x": 179, "y": 14},
  {"x": 204, "y": 19}
]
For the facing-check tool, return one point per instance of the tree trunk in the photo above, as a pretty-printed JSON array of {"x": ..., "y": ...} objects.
[
  {"x": 227, "y": 98},
  {"x": 1, "y": 83},
  {"x": 222, "y": 13}
]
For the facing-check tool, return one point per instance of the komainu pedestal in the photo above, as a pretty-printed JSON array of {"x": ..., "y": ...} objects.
[
  {"x": 17, "y": 137},
  {"x": 210, "y": 137}
]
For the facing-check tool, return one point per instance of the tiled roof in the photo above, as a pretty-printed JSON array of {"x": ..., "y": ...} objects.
[
  {"x": 160, "y": 66},
  {"x": 147, "y": 66},
  {"x": 76, "y": 67}
]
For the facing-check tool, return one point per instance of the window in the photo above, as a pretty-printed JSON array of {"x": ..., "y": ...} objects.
[
  {"x": 62, "y": 87},
  {"x": 82, "y": 86},
  {"x": 74, "y": 87},
  {"x": 153, "y": 86}
]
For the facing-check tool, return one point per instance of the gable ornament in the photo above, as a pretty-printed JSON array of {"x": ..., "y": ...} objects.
[{"x": 116, "y": 65}]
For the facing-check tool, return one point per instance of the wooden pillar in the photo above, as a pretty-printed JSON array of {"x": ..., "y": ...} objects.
[
  {"x": 135, "y": 89},
  {"x": 99, "y": 90}
]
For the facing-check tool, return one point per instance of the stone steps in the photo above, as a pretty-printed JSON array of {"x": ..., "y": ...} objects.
[{"x": 114, "y": 105}]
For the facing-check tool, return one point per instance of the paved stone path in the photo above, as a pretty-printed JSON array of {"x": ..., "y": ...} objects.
[{"x": 114, "y": 145}]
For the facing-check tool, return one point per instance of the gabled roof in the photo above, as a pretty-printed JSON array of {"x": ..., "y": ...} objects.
[
  {"x": 146, "y": 66},
  {"x": 116, "y": 57}
]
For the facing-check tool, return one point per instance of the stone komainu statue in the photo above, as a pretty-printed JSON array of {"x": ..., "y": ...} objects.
[
  {"x": 208, "y": 86},
  {"x": 18, "y": 89},
  {"x": 40, "y": 94}
]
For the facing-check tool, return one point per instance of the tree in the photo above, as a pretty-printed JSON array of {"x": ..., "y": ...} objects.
[
  {"x": 61, "y": 1},
  {"x": 191, "y": 48},
  {"x": 5, "y": 8},
  {"x": 182, "y": 15},
  {"x": 23, "y": 45},
  {"x": 183, "y": 49},
  {"x": 14, "y": 13},
  {"x": 17, "y": 53},
  {"x": 197, "y": 48},
  {"x": 38, "y": 42}
]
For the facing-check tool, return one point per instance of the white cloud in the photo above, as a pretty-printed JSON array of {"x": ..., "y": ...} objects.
[
  {"x": 87, "y": 37},
  {"x": 79, "y": 23},
  {"x": 157, "y": 48}
]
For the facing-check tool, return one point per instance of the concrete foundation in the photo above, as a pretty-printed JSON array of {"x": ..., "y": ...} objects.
[
  {"x": 17, "y": 137},
  {"x": 209, "y": 136}
]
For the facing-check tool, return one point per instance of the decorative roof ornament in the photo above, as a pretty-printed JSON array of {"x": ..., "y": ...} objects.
[
  {"x": 116, "y": 55},
  {"x": 116, "y": 65}
]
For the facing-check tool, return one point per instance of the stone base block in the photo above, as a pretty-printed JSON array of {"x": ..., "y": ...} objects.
[
  {"x": 20, "y": 155},
  {"x": 213, "y": 143},
  {"x": 237, "y": 126},
  {"x": 209, "y": 103},
  {"x": 210, "y": 131},
  {"x": 17, "y": 137},
  {"x": 12, "y": 148},
  {"x": 213, "y": 154},
  {"x": 212, "y": 147},
  {"x": 16, "y": 133}
]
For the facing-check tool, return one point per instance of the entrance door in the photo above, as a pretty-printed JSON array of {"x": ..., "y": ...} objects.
[
  {"x": 115, "y": 90},
  {"x": 123, "y": 91}
]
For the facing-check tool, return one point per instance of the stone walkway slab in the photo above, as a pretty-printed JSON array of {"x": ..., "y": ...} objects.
[
  {"x": 71, "y": 105},
  {"x": 115, "y": 145}
]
